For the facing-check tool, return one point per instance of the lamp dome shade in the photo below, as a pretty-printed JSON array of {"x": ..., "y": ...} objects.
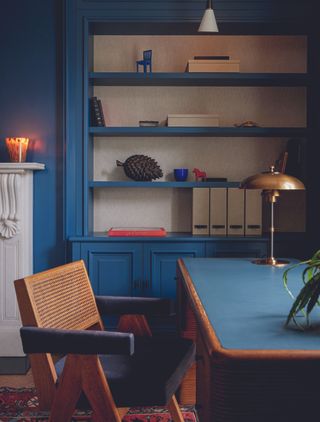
[
  {"x": 208, "y": 22},
  {"x": 272, "y": 180}
]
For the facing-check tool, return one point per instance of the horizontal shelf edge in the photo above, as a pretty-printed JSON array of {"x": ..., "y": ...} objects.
[
  {"x": 198, "y": 131},
  {"x": 171, "y": 236},
  {"x": 199, "y": 78},
  {"x": 128, "y": 184}
]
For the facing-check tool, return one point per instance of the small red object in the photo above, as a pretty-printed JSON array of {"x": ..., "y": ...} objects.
[
  {"x": 200, "y": 175},
  {"x": 137, "y": 231}
]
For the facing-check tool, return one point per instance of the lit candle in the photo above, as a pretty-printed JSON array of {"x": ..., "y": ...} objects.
[{"x": 17, "y": 148}]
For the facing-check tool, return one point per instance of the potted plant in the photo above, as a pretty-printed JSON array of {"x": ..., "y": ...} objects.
[{"x": 308, "y": 296}]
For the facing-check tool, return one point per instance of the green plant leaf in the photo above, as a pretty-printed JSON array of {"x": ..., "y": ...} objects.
[
  {"x": 314, "y": 298},
  {"x": 312, "y": 269},
  {"x": 301, "y": 301},
  {"x": 306, "y": 296},
  {"x": 297, "y": 303},
  {"x": 316, "y": 255},
  {"x": 309, "y": 295}
]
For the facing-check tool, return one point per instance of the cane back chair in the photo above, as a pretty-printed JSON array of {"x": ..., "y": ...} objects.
[{"x": 105, "y": 371}]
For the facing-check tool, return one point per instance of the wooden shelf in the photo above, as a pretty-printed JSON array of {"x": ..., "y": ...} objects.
[
  {"x": 199, "y": 131},
  {"x": 129, "y": 184},
  {"x": 198, "y": 79}
]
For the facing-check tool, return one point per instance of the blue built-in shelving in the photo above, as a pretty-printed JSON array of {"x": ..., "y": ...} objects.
[
  {"x": 198, "y": 79},
  {"x": 146, "y": 266}
]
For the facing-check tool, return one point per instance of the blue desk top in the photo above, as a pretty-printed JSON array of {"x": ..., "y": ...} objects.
[{"x": 247, "y": 304}]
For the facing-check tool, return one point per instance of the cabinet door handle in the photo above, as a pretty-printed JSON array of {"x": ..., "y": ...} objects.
[
  {"x": 235, "y": 226},
  {"x": 218, "y": 226},
  {"x": 200, "y": 226},
  {"x": 254, "y": 226},
  {"x": 144, "y": 284}
]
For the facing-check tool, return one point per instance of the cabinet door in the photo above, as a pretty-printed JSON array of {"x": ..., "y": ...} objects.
[
  {"x": 160, "y": 264},
  {"x": 238, "y": 249},
  {"x": 114, "y": 268}
]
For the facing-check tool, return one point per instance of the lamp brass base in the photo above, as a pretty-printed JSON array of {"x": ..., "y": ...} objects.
[{"x": 271, "y": 261}]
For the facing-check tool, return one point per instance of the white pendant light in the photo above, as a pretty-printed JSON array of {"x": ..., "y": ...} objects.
[{"x": 208, "y": 22}]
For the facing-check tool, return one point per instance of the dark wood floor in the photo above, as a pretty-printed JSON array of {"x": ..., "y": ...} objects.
[{"x": 17, "y": 380}]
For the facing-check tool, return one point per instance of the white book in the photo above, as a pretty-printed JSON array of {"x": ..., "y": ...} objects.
[
  {"x": 253, "y": 212},
  {"x": 218, "y": 211},
  {"x": 193, "y": 120},
  {"x": 235, "y": 212},
  {"x": 213, "y": 66},
  {"x": 200, "y": 211}
]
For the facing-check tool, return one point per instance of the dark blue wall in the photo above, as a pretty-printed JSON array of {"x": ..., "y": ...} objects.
[
  {"x": 31, "y": 84},
  {"x": 30, "y": 105}
]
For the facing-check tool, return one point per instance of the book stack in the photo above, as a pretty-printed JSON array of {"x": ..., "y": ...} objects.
[
  {"x": 96, "y": 112},
  {"x": 137, "y": 231},
  {"x": 148, "y": 123},
  {"x": 193, "y": 120},
  {"x": 213, "y": 64}
]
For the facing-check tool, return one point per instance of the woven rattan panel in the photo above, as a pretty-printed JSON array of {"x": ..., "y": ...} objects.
[{"x": 62, "y": 298}]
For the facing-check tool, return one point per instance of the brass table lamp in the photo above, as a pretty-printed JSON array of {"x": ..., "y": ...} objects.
[{"x": 271, "y": 182}]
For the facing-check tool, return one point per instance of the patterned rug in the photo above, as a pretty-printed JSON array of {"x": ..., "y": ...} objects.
[{"x": 21, "y": 404}]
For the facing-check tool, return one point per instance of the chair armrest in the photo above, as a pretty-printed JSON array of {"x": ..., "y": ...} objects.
[
  {"x": 117, "y": 305},
  {"x": 80, "y": 342}
]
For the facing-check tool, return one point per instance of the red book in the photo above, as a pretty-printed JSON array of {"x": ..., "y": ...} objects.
[{"x": 137, "y": 231}]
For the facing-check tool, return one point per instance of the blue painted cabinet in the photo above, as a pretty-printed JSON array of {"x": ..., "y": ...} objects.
[
  {"x": 134, "y": 269},
  {"x": 148, "y": 268}
]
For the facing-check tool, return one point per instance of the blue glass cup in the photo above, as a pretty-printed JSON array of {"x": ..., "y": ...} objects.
[{"x": 180, "y": 174}]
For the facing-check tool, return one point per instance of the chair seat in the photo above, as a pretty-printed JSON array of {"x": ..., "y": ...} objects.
[{"x": 150, "y": 376}]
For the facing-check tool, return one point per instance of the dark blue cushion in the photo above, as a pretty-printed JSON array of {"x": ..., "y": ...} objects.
[
  {"x": 150, "y": 376},
  {"x": 81, "y": 342}
]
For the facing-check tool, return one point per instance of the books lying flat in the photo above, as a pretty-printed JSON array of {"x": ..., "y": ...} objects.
[
  {"x": 137, "y": 231},
  {"x": 211, "y": 57},
  {"x": 148, "y": 123},
  {"x": 193, "y": 120},
  {"x": 213, "y": 66}
]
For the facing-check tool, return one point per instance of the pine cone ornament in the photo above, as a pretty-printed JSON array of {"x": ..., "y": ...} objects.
[{"x": 141, "y": 168}]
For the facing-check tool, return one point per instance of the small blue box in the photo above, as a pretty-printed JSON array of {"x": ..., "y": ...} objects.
[{"x": 180, "y": 174}]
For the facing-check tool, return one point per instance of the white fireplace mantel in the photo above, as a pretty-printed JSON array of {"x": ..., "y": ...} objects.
[
  {"x": 21, "y": 166},
  {"x": 16, "y": 247}
]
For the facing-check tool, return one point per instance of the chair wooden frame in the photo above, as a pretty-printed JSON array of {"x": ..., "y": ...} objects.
[{"x": 80, "y": 372}]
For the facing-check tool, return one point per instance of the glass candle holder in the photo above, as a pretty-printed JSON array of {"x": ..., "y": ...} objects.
[{"x": 17, "y": 149}]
